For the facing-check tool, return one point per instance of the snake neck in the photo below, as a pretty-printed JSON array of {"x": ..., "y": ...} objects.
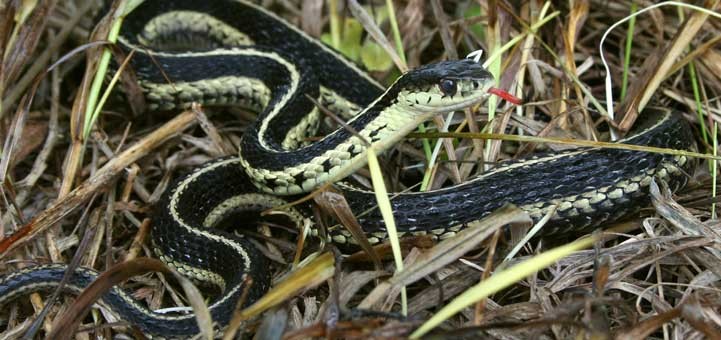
[{"x": 286, "y": 172}]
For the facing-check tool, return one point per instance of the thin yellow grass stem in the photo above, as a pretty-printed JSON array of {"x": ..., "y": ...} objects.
[
  {"x": 493, "y": 65},
  {"x": 384, "y": 204},
  {"x": 401, "y": 53},
  {"x": 334, "y": 23},
  {"x": 496, "y": 54},
  {"x": 526, "y": 238},
  {"x": 564, "y": 141},
  {"x": 525, "y": 53},
  {"x": 396, "y": 31},
  {"x": 714, "y": 170},
  {"x": 434, "y": 155}
]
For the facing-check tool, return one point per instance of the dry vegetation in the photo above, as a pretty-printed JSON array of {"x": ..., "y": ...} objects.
[{"x": 80, "y": 191}]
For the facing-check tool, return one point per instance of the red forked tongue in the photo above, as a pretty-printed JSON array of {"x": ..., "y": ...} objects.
[{"x": 505, "y": 95}]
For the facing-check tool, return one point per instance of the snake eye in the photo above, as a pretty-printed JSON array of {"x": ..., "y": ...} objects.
[{"x": 448, "y": 87}]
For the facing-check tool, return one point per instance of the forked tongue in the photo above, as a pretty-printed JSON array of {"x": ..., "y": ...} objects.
[{"x": 505, "y": 95}]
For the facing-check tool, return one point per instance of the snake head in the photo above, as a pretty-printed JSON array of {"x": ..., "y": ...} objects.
[{"x": 443, "y": 87}]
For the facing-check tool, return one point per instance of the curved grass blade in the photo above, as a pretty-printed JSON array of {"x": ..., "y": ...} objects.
[{"x": 501, "y": 280}]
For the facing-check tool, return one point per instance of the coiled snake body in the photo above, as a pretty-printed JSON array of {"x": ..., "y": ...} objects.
[{"x": 244, "y": 55}]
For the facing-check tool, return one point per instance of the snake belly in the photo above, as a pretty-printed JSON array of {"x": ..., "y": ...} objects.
[{"x": 246, "y": 56}]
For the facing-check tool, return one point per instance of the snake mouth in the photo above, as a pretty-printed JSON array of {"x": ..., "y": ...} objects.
[
  {"x": 469, "y": 92},
  {"x": 458, "y": 105},
  {"x": 474, "y": 98}
]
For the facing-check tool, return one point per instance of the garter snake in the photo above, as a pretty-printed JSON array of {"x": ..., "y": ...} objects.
[{"x": 236, "y": 53}]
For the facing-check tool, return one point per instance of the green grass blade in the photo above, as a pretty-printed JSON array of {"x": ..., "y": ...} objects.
[
  {"x": 384, "y": 204},
  {"x": 627, "y": 52},
  {"x": 697, "y": 99},
  {"x": 501, "y": 280},
  {"x": 92, "y": 109}
]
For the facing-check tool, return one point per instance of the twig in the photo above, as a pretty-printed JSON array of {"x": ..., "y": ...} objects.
[{"x": 100, "y": 180}]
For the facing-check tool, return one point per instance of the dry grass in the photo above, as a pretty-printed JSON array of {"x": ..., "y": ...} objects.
[{"x": 70, "y": 195}]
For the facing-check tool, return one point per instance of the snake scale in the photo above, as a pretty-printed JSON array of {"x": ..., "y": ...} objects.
[{"x": 235, "y": 53}]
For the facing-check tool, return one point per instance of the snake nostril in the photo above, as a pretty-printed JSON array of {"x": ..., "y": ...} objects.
[{"x": 475, "y": 84}]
